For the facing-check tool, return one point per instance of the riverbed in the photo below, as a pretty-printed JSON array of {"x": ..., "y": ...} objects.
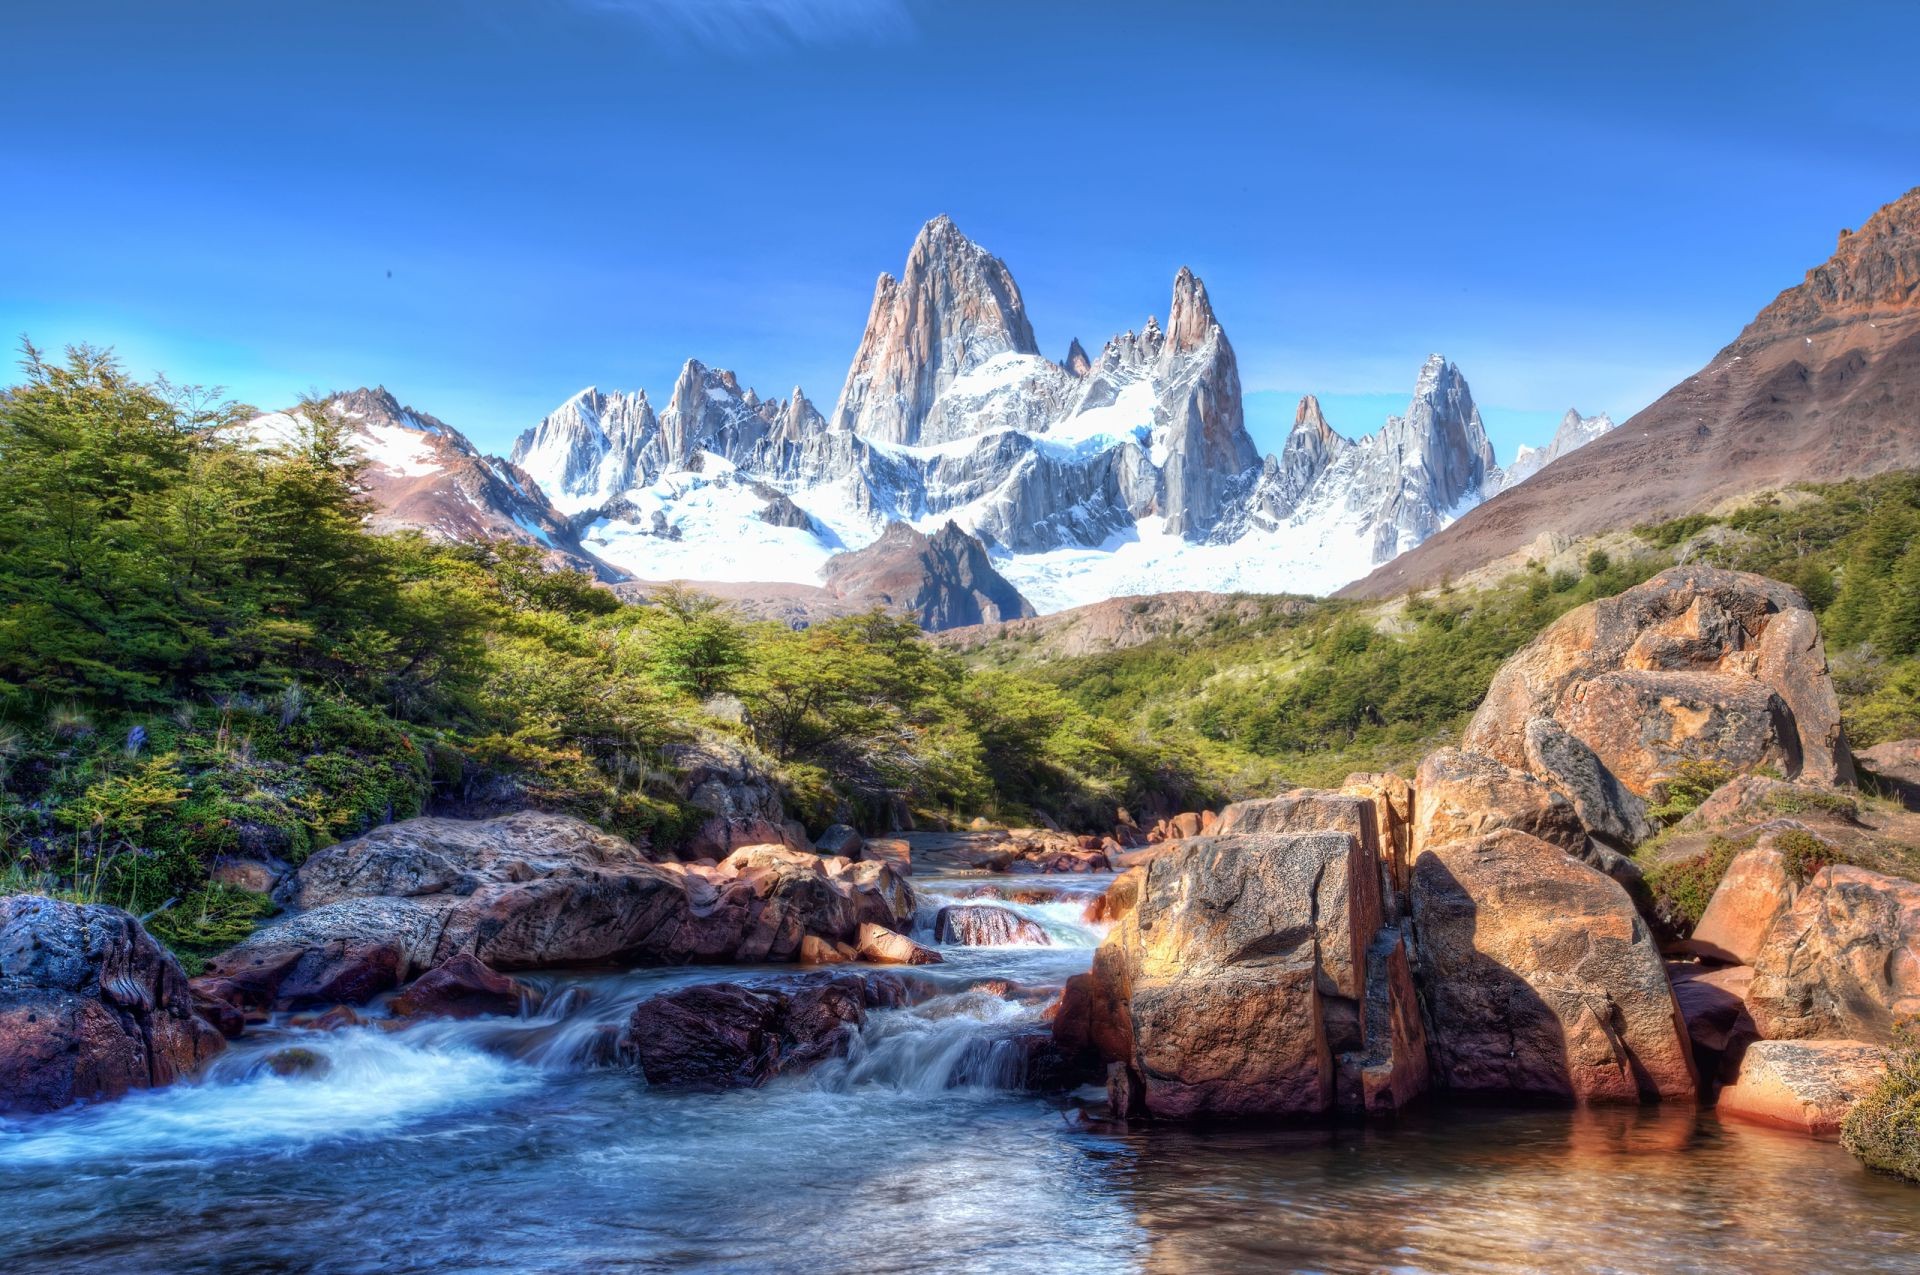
[{"x": 510, "y": 1144}]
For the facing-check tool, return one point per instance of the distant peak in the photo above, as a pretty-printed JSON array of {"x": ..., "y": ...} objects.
[{"x": 1190, "y": 315}]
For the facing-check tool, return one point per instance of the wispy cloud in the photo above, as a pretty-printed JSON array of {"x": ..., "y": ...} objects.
[{"x": 759, "y": 26}]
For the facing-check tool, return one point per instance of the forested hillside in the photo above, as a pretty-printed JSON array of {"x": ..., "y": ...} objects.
[
  {"x": 1310, "y": 695},
  {"x": 204, "y": 653}
]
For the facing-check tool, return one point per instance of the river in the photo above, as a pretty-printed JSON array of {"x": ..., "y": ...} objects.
[{"x": 508, "y": 1145}]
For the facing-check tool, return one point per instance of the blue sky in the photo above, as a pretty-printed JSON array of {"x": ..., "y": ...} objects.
[{"x": 1578, "y": 207}]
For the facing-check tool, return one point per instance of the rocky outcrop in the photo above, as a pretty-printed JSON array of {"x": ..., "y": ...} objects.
[
  {"x": 1805, "y": 1085},
  {"x": 732, "y": 1036},
  {"x": 984, "y": 925},
  {"x": 954, "y": 307},
  {"x": 90, "y": 1007},
  {"x": 1240, "y": 975},
  {"x": 526, "y": 891},
  {"x": 944, "y": 580},
  {"x": 1695, "y": 665},
  {"x": 1894, "y": 769},
  {"x": 1540, "y": 977},
  {"x": 1463, "y": 795},
  {"x": 1843, "y": 961},
  {"x": 743, "y": 803}
]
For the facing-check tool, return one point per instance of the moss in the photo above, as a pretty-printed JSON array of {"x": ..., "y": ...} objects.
[
  {"x": 207, "y": 921},
  {"x": 1883, "y": 1129}
]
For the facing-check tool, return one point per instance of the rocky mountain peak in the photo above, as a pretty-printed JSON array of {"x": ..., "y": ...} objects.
[
  {"x": 1874, "y": 272},
  {"x": 1190, "y": 318},
  {"x": 954, "y": 307},
  {"x": 1076, "y": 363}
]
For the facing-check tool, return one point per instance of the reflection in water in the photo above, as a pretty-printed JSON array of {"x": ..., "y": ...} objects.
[{"x": 510, "y": 1145}]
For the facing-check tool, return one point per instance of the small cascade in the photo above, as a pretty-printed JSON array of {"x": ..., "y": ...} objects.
[{"x": 959, "y": 1040}]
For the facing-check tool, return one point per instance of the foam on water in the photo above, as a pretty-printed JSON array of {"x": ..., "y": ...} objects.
[{"x": 374, "y": 1084}]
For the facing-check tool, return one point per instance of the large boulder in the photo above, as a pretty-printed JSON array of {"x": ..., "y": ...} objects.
[
  {"x": 1751, "y": 895},
  {"x": 518, "y": 891},
  {"x": 1541, "y": 979},
  {"x": 462, "y": 988},
  {"x": 882, "y": 946},
  {"x": 1806, "y": 1085},
  {"x": 1351, "y": 905},
  {"x": 90, "y": 1007},
  {"x": 1697, "y": 664},
  {"x": 730, "y": 1036},
  {"x": 1228, "y": 990},
  {"x": 984, "y": 925},
  {"x": 1464, "y": 795},
  {"x": 1843, "y": 962}
]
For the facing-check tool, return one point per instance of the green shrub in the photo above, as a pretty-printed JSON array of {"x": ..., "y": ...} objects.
[
  {"x": 1689, "y": 789},
  {"x": 208, "y": 921},
  {"x": 1883, "y": 1129},
  {"x": 1682, "y": 888},
  {"x": 1803, "y": 854},
  {"x": 1802, "y": 801}
]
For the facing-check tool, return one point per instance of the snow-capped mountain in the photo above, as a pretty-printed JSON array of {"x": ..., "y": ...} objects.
[
  {"x": 1575, "y": 432},
  {"x": 423, "y": 474},
  {"x": 1126, "y": 471}
]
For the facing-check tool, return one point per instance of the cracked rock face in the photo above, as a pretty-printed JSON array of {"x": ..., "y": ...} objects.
[
  {"x": 1541, "y": 979},
  {"x": 90, "y": 1007}
]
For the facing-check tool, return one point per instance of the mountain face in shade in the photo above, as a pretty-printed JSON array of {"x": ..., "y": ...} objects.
[
  {"x": 1823, "y": 385},
  {"x": 423, "y": 474},
  {"x": 944, "y": 580}
]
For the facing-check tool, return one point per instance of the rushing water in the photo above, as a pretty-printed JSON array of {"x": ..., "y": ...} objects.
[{"x": 503, "y": 1144}]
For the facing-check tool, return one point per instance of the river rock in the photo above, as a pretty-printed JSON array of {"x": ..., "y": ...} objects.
[
  {"x": 883, "y": 946},
  {"x": 892, "y": 851},
  {"x": 840, "y": 839},
  {"x": 1843, "y": 962},
  {"x": 730, "y": 1036},
  {"x": 1541, "y": 979},
  {"x": 463, "y": 987},
  {"x": 1808, "y": 1085},
  {"x": 984, "y": 925},
  {"x": 90, "y": 1007},
  {"x": 1118, "y": 899},
  {"x": 1696, "y": 664}
]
